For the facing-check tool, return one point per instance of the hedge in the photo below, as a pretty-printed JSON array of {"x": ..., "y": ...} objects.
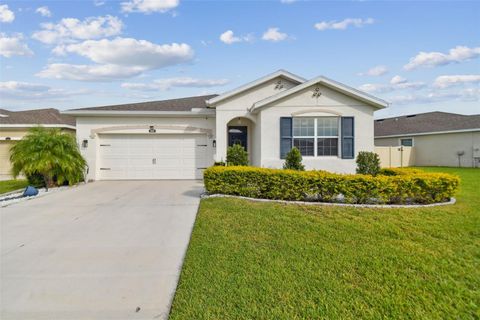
[{"x": 400, "y": 186}]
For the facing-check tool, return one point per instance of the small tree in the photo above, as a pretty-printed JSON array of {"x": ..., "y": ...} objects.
[
  {"x": 368, "y": 163},
  {"x": 50, "y": 153},
  {"x": 293, "y": 160},
  {"x": 237, "y": 156}
]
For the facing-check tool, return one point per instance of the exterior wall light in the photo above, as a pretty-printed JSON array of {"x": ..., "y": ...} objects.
[
  {"x": 152, "y": 129},
  {"x": 84, "y": 143},
  {"x": 214, "y": 143}
]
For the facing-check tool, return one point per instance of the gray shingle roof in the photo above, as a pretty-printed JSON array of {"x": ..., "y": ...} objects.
[
  {"x": 182, "y": 104},
  {"x": 425, "y": 122},
  {"x": 38, "y": 116}
]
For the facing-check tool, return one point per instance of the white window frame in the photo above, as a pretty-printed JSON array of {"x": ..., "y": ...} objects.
[
  {"x": 315, "y": 137},
  {"x": 409, "y": 138}
]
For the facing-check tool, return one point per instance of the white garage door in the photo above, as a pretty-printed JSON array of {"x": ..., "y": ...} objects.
[{"x": 167, "y": 156}]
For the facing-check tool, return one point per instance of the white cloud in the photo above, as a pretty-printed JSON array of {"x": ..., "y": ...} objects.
[
  {"x": 451, "y": 80},
  {"x": 165, "y": 84},
  {"x": 14, "y": 90},
  {"x": 273, "y": 34},
  {"x": 396, "y": 83},
  {"x": 98, "y": 3},
  {"x": 288, "y": 1},
  {"x": 470, "y": 94},
  {"x": 44, "y": 11},
  {"x": 436, "y": 97},
  {"x": 344, "y": 24},
  {"x": 375, "y": 71},
  {"x": 375, "y": 87},
  {"x": 149, "y": 6},
  {"x": 397, "y": 80},
  {"x": 69, "y": 29},
  {"x": 22, "y": 86},
  {"x": 130, "y": 52},
  {"x": 433, "y": 59},
  {"x": 228, "y": 37},
  {"x": 116, "y": 59},
  {"x": 104, "y": 72},
  {"x": 6, "y": 15},
  {"x": 13, "y": 46}
]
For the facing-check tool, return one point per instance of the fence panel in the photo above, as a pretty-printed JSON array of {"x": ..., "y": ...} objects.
[{"x": 394, "y": 157}]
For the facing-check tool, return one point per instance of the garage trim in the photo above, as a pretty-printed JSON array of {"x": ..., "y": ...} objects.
[{"x": 180, "y": 129}]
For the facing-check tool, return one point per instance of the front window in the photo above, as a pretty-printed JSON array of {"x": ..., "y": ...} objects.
[{"x": 316, "y": 137}]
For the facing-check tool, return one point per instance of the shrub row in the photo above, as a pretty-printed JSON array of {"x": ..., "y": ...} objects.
[{"x": 399, "y": 187}]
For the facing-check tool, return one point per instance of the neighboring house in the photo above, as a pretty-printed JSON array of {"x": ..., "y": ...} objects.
[
  {"x": 439, "y": 138},
  {"x": 176, "y": 139},
  {"x": 15, "y": 124}
]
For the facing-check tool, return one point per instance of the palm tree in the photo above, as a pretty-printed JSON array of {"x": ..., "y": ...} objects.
[{"x": 50, "y": 153}]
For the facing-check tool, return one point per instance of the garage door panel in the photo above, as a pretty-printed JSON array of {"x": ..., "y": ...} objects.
[
  {"x": 132, "y": 156},
  {"x": 192, "y": 163}
]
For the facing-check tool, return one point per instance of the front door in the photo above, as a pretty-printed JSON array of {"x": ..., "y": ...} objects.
[{"x": 237, "y": 135}]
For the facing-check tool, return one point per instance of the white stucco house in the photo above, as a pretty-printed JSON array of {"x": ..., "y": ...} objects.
[{"x": 176, "y": 139}]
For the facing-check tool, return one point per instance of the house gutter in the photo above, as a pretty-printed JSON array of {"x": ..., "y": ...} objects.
[{"x": 15, "y": 126}]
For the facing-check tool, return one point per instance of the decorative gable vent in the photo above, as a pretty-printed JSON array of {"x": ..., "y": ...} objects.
[
  {"x": 279, "y": 85},
  {"x": 316, "y": 93}
]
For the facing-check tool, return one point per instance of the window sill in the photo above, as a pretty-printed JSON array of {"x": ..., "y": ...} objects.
[{"x": 321, "y": 157}]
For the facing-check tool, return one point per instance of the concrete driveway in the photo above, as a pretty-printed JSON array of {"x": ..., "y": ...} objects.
[{"x": 105, "y": 250}]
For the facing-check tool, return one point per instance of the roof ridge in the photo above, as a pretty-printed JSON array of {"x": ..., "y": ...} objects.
[{"x": 424, "y": 113}]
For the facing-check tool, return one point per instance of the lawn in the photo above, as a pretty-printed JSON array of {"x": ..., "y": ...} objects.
[
  {"x": 249, "y": 260},
  {"x": 12, "y": 185}
]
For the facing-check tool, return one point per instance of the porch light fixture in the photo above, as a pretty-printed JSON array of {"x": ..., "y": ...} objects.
[
  {"x": 214, "y": 143},
  {"x": 152, "y": 129},
  {"x": 84, "y": 143}
]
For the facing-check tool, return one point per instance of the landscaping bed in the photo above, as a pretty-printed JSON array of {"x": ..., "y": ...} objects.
[
  {"x": 13, "y": 197},
  {"x": 254, "y": 260},
  {"x": 391, "y": 186}
]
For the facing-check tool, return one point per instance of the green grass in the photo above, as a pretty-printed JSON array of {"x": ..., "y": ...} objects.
[
  {"x": 249, "y": 260},
  {"x": 12, "y": 185}
]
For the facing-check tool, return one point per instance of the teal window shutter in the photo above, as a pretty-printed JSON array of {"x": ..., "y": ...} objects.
[
  {"x": 286, "y": 136},
  {"x": 348, "y": 138}
]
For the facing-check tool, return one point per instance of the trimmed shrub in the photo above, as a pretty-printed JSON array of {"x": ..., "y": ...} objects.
[
  {"x": 368, "y": 163},
  {"x": 405, "y": 188},
  {"x": 293, "y": 160},
  {"x": 237, "y": 156},
  {"x": 399, "y": 171}
]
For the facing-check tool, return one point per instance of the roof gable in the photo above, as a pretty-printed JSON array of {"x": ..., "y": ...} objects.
[
  {"x": 321, "y": 80},
  {"x": 280, "y": 73}
]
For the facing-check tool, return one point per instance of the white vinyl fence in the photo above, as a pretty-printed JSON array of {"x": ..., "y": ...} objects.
[{"x": 394, "y": 157}]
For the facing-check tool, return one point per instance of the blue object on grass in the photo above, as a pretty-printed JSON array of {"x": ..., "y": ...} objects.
[{"x": 30, "y": 191}]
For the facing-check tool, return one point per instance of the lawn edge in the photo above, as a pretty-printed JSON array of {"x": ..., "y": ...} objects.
[{"x": 385, "y": 206}]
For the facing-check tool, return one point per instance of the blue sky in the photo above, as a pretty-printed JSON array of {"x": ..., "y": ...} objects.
[{"x": 420, "y": 56}]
